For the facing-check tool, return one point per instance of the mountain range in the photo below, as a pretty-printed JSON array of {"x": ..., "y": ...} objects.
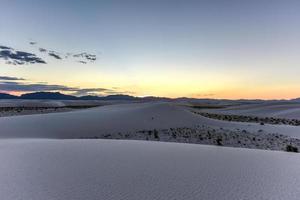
[{"x": 60, "y": 96}]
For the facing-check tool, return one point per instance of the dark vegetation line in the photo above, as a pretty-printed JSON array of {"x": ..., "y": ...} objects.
[
  {"x": 15, "y": 111},
  {"x": 211, "y": 136},
  {"x": 23, "y": 108},
  {"x": 252, "y": 119},
  {"x": 207, "y": 106}
]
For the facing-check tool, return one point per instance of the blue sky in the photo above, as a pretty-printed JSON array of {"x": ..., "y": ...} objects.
[{"x": 221, "y": 49}]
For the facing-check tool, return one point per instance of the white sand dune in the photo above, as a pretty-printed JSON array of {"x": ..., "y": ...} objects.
[
  {"x": 30, "y": 103},
  {"x": 45, "y": 169},
  {"x": 54, "y": 103},
  {"x": 120, "y": 118},
  {"x": 289, "y": 110},
  {"x": 133, "y": 170}
]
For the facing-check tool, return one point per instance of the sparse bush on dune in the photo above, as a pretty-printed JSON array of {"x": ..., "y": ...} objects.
[
  {"x": 212, "y": 136},
  {"x": 219, "y": 142},
  {"x": 242, "y": 118},
  {"x": 155, "y": 132},
  {"x": 290, "y": 148}
]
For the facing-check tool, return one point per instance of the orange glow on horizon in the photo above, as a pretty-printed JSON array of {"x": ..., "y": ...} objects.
[{"x": 234, "y": 95}]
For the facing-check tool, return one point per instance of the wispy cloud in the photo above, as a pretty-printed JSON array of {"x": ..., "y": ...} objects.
[
  {"x": 42, "y": 50},
  {"x": 32, "y": 43},
  {"x": 24, "y": 87},
  {"x": 86, "y": 56},
  {"x": 14, "y": 84},
  {"x": 14, "y": 57},
  {"x": 54, "y": 55},
  {"x": 11, "y": 78},
  {"x": 82, "y": 58},
  {"x": 4, "y": 47}
]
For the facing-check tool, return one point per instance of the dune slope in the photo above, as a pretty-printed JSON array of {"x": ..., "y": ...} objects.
[
  {"x": 289, "y": 110},
  {"x": 120, "y": 118},
  {"x": 109, "y": 170}
]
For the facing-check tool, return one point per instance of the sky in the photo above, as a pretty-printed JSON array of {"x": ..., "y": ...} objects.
[{"x": 173, "y": 48}]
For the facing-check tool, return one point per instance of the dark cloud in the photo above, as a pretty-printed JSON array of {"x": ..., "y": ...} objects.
[
  {"x": 4, "y": 47},
  {"x": 14, "y": 57},
  {"x": 82, "y": 62},
  {"x": 33, "y": 43},
  {"x": 86, "y": 56},
  {"x": 34, "y": 87},
  {"x": 18, "y": 57},
  {"x": 10, "y": 78},
  {"x": 42, "y": 50},
  {"x": 54, "y": 55},
  {"x": 23, "y": 87}
]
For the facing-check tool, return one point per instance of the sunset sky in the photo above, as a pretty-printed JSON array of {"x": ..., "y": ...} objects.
[{"x": 203, "y": 49}]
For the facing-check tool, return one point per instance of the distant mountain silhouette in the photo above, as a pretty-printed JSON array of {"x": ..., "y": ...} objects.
[
  {"x": 48, "y": 95},
  {"x": 60, "y": 96},
  {"x": 120, "y": 97},
  {"x": 296, "y": 100},
  {"x": 7, "y": 96},
  {"x": 89, "y": 97},
  {"x": 153, "y": 98},
  {"x": 109, "y": 97}
]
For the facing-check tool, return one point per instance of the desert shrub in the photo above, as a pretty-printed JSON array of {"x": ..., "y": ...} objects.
[
  {"x": 156, "y": 134},
  {"x": 200, "y": 137},
  {"x": 107, "y": 135},
  {"x": 219, "y": 142},
  {"x": 174, "y": 135},
  {"x": 290, "y": 148}
]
